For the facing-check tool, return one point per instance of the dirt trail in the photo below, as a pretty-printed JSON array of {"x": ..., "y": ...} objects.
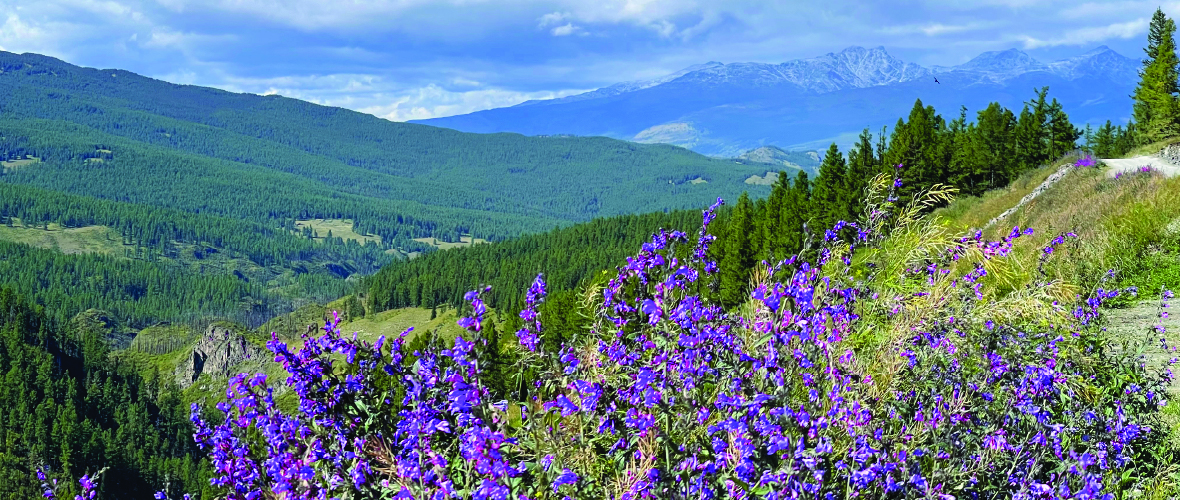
[
  {"x": 1135, "y": 324},
  {"x": 1117, "y": 166}
]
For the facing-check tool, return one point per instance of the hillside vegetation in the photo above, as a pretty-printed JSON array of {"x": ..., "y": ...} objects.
[
  {"x": 290, "y": 159},
  {"x": 220, "y": 185}
]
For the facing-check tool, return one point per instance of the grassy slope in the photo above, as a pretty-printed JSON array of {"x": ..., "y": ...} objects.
[
  {"x": 1125, "y": 224},
  {"x": 1130, "y": 225},
  {"x": 72, "y": 240},
  {"x": 340, "y": 228}
]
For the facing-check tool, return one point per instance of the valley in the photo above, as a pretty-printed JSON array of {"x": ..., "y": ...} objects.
[{"x": 844, "y": 276}]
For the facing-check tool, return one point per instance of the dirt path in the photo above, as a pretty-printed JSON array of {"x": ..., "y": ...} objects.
[
  {"x": 1116, "y": 166},
  {"x": 1135, "y": 323}
]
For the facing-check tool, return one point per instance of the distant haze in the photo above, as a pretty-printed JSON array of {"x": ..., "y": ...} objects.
[{"x": 727, "y": 109}]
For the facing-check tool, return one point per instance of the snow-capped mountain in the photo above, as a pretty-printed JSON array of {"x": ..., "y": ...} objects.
[
  {"x": 854, "y": 67},
  {"x": 726, "y": 109},
  {"x": 1101, "y": 61},
  {"x": 1004, "y": 65},
  {"x": 1001, "y": 64}
]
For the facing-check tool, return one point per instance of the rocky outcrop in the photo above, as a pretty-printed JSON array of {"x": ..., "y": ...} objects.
[
  {"x": 218, "y": 352},
  {"x": 1171, "y": 154}
]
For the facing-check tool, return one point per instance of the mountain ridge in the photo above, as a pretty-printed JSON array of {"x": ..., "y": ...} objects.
[{"x": 724, "y": 110}]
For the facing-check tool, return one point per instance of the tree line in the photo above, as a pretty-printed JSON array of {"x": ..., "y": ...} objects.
[{"x": 973, "y": 156}]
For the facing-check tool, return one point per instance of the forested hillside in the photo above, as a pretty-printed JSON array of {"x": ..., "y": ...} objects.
[
  {"x": 923, "y": 149},
  {"x": 69, "y": 411},
  {"x": 211, "y": 191},
  {"x": 289, "y": 159}
]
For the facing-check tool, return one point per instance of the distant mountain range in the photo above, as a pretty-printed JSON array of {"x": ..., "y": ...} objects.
[{"x": 727, "y": 109}]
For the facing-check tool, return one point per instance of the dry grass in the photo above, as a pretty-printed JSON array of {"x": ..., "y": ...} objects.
[
  {"x": 976, "y": 211},
  {"x": 1108, "y": 215},
  {"x": 340, "y": 228},
  {"x": 74, "y": 240},
  {"x": 8, "y": 166},
  {"x": 393, "y": 323},
  {"x": 464, "y": 241}
]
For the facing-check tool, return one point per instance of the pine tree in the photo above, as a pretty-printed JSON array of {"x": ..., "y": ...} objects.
[
  {"x": 862, "y": 167},
  {"x": 1104, "y": 138},
  {"x": 737, "y": 260},
  {"x": 796, "y": 211},
  {"x": 1063, "y": 136},
  {"x": 1156, "y": 110},
  {"x": 830, "y": 194}
]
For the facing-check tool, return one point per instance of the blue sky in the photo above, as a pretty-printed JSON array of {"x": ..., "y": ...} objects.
[{"x": 412, "y": 59}]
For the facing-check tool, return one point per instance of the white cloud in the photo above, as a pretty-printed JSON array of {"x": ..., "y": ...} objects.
[
  {"x": 433, "y": 101},
  {"x": 551, "y": 18},
  {"x": 324, "y": 14},
  {"x": 1081, "y": 36},
  {"x": 22, "y": 36},
  {"x": 381, "y": 97},
  {"x": 934, "y": 29},
  {"x": 567, "y": 29},
  {"x": 1093, "y": 10}
]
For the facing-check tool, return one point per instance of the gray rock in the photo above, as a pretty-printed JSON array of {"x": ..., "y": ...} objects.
[
  {"x": 218, "y": 353},
  {"x": 1171, "y": 154}
]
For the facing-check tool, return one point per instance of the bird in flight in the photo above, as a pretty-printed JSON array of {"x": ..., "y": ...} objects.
[{"x": 936, "y": 80}]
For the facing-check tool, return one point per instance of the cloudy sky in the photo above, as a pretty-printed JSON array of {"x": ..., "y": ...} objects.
[{"x": 412, "y": 59}]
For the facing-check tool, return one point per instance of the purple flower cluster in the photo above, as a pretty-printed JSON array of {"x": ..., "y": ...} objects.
[
  {"x": 323, "y": 448},
  {"x": 832, "y": 381},
  {"x": 1143, "y": 170},
  {"x": 87, "y": 485},
  {"x": 1086, "y": 161}
]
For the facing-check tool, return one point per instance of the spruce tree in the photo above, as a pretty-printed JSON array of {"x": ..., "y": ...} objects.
[
  {"x": 1156, "y": 110},
  {"x": 796, "y": 211},
  {"x": 830, "y": 196},
  {"x": 914, "y": 144},
  {"x": 737, "y": 260},
  {"x": 962, "y": 168},
  {"x": 993, "y": 138},
  {"x": 770, "y": 220},
  {"x": 1032, "y": 134},
  {"x": 1104, "y": 138},
  {"x": 1125, "y": 139},
  {"x": 1063, "y": 136},
  {"x": 862, "y": 167}
]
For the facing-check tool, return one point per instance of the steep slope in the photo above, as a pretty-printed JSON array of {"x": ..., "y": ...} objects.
[
  {"x": 1129, "y": 224},
  {"x": 725, "y": 109}
]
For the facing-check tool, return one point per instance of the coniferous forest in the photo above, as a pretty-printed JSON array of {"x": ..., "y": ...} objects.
[
  {"x": 970, "y": 155},
  {"x": 642, "y": 321}
]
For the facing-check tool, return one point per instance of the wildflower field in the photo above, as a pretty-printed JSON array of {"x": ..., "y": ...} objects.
[{"x": 894, "y": 360}]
